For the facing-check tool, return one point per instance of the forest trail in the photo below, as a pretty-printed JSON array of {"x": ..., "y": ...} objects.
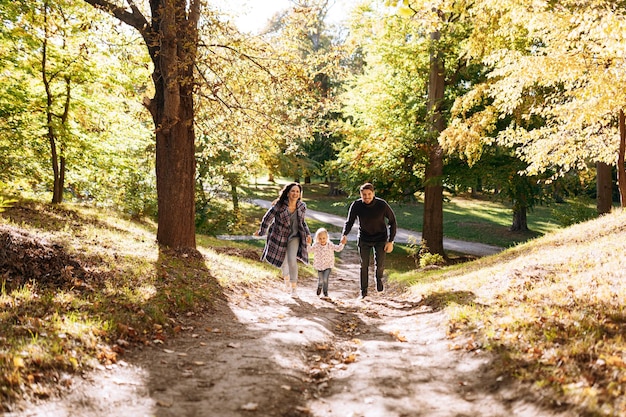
[{"x": 265, "y": 353}]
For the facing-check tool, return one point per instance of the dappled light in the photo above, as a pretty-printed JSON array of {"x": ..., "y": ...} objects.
[{"x": 141, "y": 143}]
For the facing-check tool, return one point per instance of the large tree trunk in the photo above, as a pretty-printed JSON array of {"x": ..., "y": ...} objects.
[
  {"x": 432, "y": 232},
  {"x": 604, "y": 188},
  {"x": 621, "y": 174},
  {"x": 172, "y": 41}
]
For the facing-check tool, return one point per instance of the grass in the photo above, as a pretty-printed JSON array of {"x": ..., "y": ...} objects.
[
  {"x": 80, "y": 286},
  {"x": 482, "y": 220},
  {"x": 550, "y": 311}
]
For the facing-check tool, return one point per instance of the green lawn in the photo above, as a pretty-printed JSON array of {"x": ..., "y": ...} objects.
[{"x": 485, "y": 220}]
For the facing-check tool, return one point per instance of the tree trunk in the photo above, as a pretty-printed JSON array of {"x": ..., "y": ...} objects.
[
  {"x": 432, "y": 231},
  {"x": 234, "y": 195},
  {"x": 621, "y": 174},
  {"x": 172, "y": 41},
  {"x": 520, "y": 223},
  {"x": 57, "y": 162},
  {"x": 604, "y": 188}
]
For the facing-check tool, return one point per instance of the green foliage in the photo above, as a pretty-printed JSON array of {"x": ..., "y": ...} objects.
[
  {"x": 578, "y": 210},
  {"x": 422, "y": 257},
  {"x": 6, "y": 203},
  {"x": 428, "y": 259},
  {"x": 92, "y": 87},
  {"x": 384, "y": 107},
  {"x": 213, "y": 217}
]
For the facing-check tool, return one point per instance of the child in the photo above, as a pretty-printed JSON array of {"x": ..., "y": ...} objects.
[{"x": 324, "y": 258}]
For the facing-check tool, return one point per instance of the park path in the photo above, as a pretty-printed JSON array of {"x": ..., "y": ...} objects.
[
  {"x": 263, "y": 353},
  {"x": 402, "y": 236}
]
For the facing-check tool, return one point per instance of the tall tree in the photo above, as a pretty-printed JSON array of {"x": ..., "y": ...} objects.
[
  {"x": 432, "y": 232},
  {"x": 302, "y": 35},
  {"x": 560, "y": 63},
  {"x": 385, "y": 107},
  {"x": 170, "y": 33},
  {"x": 437, "y": 31}
]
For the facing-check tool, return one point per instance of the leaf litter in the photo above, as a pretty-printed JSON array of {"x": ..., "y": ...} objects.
[{"x": 388, "y": 356}]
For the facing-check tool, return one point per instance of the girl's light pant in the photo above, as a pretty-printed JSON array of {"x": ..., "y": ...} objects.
[{"x": 322, "y": 280}]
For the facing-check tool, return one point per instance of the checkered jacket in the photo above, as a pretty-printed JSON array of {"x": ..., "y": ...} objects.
[{"x": 276, "y": 223}]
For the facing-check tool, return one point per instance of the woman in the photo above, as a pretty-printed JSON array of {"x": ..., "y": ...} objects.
[{"x": 287, "y": 234}]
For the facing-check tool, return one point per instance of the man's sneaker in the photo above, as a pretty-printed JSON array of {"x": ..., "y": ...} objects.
[
  {"x": 325, "y": 295},
  {"x": 319, "y": 290},
  {"x": 361, "y": 297}
]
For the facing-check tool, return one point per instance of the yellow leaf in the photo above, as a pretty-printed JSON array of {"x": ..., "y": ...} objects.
[
  {"x": 405, "y": 12},
  {"x": 18, "y": 362},
  {"x": 398, "y": 336}
]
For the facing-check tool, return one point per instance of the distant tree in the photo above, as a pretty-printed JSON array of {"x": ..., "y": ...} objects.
[
  {"x": 69, "y": 121},
  {"x": 560, "y": 63},
  {"x": 301, "y": 34},
  {"x": 418, "y": 56}
]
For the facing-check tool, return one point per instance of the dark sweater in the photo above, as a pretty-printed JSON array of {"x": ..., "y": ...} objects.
[{"x": 372, "y": 225}]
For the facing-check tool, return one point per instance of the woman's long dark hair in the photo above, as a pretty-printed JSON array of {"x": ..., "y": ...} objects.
[{"x": 283, "y": 196}]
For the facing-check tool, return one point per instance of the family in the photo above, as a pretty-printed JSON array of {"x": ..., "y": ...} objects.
[{"x": 289, "y": 238}]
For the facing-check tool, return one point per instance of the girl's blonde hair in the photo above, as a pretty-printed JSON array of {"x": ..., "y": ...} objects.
[{"x": 319, "y": 232}]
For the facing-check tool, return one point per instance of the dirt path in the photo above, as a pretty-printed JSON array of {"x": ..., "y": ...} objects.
[{"x": 265, "y": 353}]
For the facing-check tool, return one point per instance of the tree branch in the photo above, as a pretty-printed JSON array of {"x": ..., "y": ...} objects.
[
  {"x": 244, "y": 55},
  {"x": 133, "y": 18}
]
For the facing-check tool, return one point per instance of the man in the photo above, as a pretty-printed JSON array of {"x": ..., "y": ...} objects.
[{"x": 374, "y": 233}]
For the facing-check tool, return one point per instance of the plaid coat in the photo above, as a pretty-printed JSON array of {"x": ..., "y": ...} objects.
[{"x": 276, "y": 223}]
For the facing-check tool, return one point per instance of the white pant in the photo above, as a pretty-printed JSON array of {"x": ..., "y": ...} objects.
[{"x": 290, "y": 263}]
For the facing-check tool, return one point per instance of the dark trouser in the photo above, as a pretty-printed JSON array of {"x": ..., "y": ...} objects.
[{"x": 365, "y": 249}]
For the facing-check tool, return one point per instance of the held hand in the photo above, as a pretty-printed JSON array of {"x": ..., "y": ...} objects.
[
  {"x": 256, "y": 233},
  {"x": 344, "y": 239},
  {"x": 308, "y": 239},
  {"x": 388, "y": 247}
]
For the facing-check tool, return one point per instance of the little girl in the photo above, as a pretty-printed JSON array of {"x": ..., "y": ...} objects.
[{"x": 324, "y": 258}]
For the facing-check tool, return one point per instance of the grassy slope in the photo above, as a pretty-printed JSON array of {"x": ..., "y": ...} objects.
[
  {"x": 550, "y": 310},
  {"x": 79, "y": 286}
]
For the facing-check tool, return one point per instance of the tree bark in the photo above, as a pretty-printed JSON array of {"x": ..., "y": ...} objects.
[
  {"x": 234, "y": 195},
  {"x": 520, "y": 222},
  {"x": 604, "y": 188},
  {"x": 621, "y": 174},
  {"x": 57, "y": 160},
  {"x": 172, "y": 41},
  {"x": 432, "y": 232}
]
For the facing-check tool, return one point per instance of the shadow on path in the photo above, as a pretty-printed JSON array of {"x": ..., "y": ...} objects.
[{"x": 261, "y": 352}]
